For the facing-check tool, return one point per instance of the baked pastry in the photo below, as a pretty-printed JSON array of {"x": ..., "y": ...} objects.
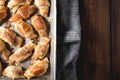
[
  {"x": 26, "y": 10},
  {"x": 10, "y": 37},
  {"x": 43, "y": 6},
  {"x": 15, "y": 4},
  {"x": 4, "y": 52},
  {"x": 41, "y": 49},
  {"x": 13, "y": 72},
  {"x": 37, "y": 69},
  {"x": 2, "y": 2},
  {"x": 3, "y": 12},
  {"x": 16, "y": 18},
  {"x": 25, "y": 29},
  {"x": 0, "y": 68},
  {"x": 23, "y": 13},
  {"x": 22, "y": 53},
  {"x": 39, "y": 25},
  {"x": 7, "y": 35}
]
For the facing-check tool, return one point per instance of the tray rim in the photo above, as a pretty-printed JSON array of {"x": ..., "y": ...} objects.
[{"x": 53, "y": 29}]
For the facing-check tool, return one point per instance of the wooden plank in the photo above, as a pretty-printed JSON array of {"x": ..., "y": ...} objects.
[
  {"x": 94, "y": 60},
  {"x": 115, "y": 29}
]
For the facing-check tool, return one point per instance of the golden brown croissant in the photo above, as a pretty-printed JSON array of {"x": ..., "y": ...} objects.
[
  {"x": 15, "y": 17},
  {"x": 41, "y": 49},
  {"x": 37, "y": 69},
  {"x": 43, "y": 6},
  {"x": 2, "y": 2},
  {"x": 22, "y": 53},
  {"x": 7, "y": 35},
  {"x": 10, "y": 37},
  {"x": 26, "y": 10},
  {"x": 3, "y": 12},
  {"x": 15, "y": 4},
  {"x": 25, "y": 29},
  {"x": 23, "y": 13},
  {"x": 39, "y": 25},
  {"x": 4, "y": 52},
  {"x": 13, "y": 72}
]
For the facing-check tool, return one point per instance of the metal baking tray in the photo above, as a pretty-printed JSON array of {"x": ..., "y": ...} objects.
[{"x": 51, "y": 73}]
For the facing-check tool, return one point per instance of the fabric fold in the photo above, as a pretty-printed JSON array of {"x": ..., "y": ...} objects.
[{"x": 68, "y": 38}]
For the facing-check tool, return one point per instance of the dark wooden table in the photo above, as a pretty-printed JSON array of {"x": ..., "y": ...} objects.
[{"x": 100, "y": 40}]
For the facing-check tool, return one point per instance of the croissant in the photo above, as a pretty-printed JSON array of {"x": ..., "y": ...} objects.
[
  {"x": 15, "y": 17},
  {"x": 25, "y": 29},
  {"x": 37, "y": 69},
  {"x": 2, "y": 2},
  {"x": 43, "y": 6},
  {"x": 15, "y": 4},
  {"x": 4, "y": 51},
  {"x": 10, "y": 37},
  {"x": 5, "y": 54},
  {"x": 13, "y": 72},
  {"x": 3, "y": 12},
  {"x": 39, "y": 25},
  {"x": 7, "y": 35},
  {"x": 23, "y": 13},
  {"x": 26, "y": 10},
  {"x": 41, "y": 49},
  {"x": 22, "y": 53}
]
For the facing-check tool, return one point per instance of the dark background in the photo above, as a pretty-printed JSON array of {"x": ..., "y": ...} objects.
[{"x": 100, "y": 40}]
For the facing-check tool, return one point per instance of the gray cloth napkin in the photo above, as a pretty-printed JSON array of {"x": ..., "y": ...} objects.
[{"x": 68, "y": 38}]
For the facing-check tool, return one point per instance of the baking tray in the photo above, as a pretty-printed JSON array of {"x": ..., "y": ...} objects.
[{"x": 51, "y": 73}]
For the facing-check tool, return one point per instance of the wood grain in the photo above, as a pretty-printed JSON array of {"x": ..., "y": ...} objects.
[
  {"x": 115, "y": 35},
  {"x": 94, "y": 60}
]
